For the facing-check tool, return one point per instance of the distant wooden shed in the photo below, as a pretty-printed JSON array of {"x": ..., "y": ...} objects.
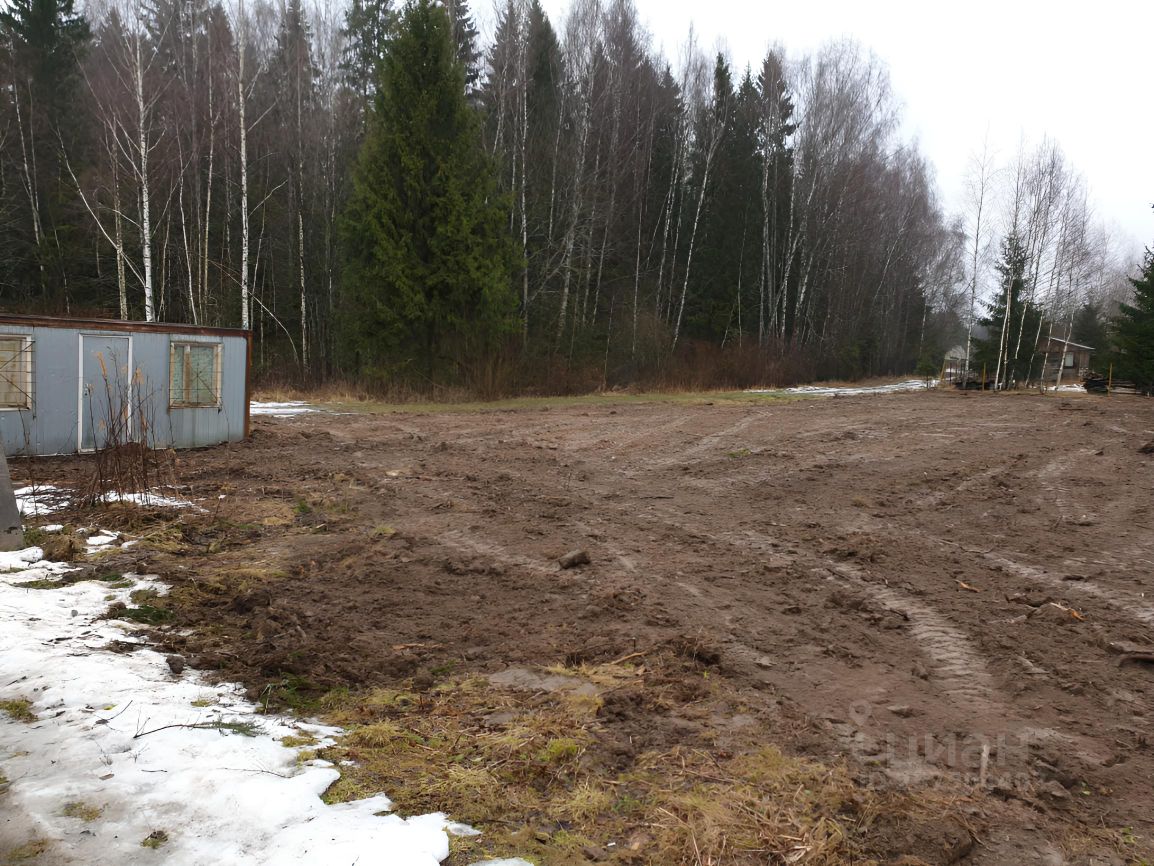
[
  {"x": 74, "y": 385},
  {"x": 1070, "y": 359}
]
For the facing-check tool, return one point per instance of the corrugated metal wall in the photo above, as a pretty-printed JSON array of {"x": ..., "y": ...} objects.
[{"x": 64, "y": 357}]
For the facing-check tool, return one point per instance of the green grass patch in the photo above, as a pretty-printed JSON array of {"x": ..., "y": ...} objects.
[
  {"x": 85, "y": 812},
  {"x": 291, "y": 692},
  {"x": 145, "y": 614},
  {"x": 18, "y": 709},
  {"x": 154, "y": 840},
  {"x": 42, "y": 583}
]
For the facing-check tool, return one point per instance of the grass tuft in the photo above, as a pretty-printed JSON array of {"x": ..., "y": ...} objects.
[
  {"x": 83, "y": 811},
  {"x": 18, "y": 709},
  {"x": 534, "y": 773},
  {"x": 27, "y": 852},
  {"x": 154, "y": 840},
  {"x": 146, "y": 614}
]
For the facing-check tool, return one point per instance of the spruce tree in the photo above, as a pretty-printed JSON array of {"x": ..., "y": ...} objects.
[
  {"x": 1134, "y": 331},
  {"x": 368, "y": 25},
  {"x": 465, "y": 39},
  {"x": 1090, "y": 327},
  {"x": 1010, "y": 314},
  {"x": 428, "y": 263},
  {"x": 40, "y": 43}
]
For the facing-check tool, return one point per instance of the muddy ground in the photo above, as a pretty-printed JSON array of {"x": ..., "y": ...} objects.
[{"x": 948, "y": 595}]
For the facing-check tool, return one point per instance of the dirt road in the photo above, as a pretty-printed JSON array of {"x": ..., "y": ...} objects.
[{"x": 946, "y": 591}]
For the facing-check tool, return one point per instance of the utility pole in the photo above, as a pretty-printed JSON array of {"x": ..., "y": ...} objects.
[{"x": 11, "y": 528}]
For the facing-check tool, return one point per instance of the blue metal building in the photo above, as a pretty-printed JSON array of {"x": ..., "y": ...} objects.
[{"x": 73, "y": 385}]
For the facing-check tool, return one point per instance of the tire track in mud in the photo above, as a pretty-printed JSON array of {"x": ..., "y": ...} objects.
[
  {"x": 597, "y": 439},
  {"x": 959, "y": 669},
  {"x": 1048, "y": 477},
  {"x": 932, "y": 500},
  {"x": 706, "y": 442},
  {"x": 1125, "y": 602},
  {"x": 465, "y": 542}
]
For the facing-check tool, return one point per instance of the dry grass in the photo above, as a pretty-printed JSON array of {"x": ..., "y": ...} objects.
[
  {"x": 85, "y": 812},
  {"x": 27, "y": 852},
  {"x": 18, "y": 709},
  {"x": 349, "y": 399},
  {"x": 532, "y": 772}
]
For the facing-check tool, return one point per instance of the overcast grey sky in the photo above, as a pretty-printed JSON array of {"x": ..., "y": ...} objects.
[{"x": 1082, "y": 74}]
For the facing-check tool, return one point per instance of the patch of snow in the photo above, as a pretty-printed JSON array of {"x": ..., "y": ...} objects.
[
  {"x": 281, "y": 410},
  {"x": 151, "y": 499},
  {"x": 112, "y": 732},
  {"x": 821, "y": 390},
  {"x": 42, "y": 499},
  {"x": 52, "y": 527},
  {"x": 45, "y": 499},
  {"x": 20, "y": 559},
  {"x": 456, "y": 828},
  {"x": 1069, "y": 389}
]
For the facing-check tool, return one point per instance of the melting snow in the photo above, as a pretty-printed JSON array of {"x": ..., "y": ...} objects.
[
  {"x": 151, "y": 499},
  {"x": 45, "y": 499},
  {"x": 102, "y": 739},
  {"x": 42, "y": 499},
  {"x": 280, "y": 410},
  {"x": 821, "y": 390}
]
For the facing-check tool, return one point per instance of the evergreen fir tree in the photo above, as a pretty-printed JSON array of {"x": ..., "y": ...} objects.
[
  {"x": 1134, "y": 331},
  {"x": 368, "y": 26},
  {"x": 1019, "y": 324},
  {"x": 41, "y": 42},
  {"x": 776, "y": 129},
  {"x": 724, "y": 304},
  {"x": 1089, "y": 327},
  {"x": 465, "y": 39},
  {"x": 428, "y": 263}
]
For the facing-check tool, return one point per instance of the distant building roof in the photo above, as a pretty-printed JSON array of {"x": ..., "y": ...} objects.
[{"x": 1069, "y": 344}]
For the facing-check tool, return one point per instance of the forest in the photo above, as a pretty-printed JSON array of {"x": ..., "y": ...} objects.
[{"x": 642, "y": 219}]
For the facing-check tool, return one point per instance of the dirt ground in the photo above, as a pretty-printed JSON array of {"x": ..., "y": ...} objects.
[{"x": 950, "y": 597}]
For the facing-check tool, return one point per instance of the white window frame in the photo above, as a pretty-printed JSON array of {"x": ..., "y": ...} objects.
[
  {"x": 25, "y": 351},
  {"x": 1069, "y": 361},
  {"x": 176, "y": 347}
]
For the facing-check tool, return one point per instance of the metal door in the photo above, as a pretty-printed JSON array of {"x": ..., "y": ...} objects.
[{"x": 105, "y": 401}]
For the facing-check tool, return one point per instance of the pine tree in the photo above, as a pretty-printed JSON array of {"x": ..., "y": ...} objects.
[
  {"x": 1134, "y": 331},
  {"x": 428, "y": 263}
]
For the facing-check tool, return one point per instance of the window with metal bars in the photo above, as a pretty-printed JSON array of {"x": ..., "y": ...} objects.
[
  {"x": 15, "y": 372},
  {"x": 194, "y": 374}
]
